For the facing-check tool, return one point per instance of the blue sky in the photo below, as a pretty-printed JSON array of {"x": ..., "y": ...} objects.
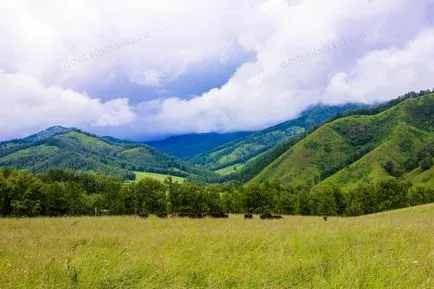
[
  {"x": 144, "y": 69},
  {"x": 194, "y": 82}
]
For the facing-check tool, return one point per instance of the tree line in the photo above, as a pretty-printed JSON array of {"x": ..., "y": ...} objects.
[{"x": 61, "y": 192}]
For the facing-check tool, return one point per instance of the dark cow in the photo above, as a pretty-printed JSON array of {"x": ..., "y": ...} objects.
[
  {"x": 248, "y": 216},
  {"x": 219, "y": 215},
  {"x": 143, "y": 215},
  {"x": 266, "y": 216},
  {"x": 162, "y": 215},
  {"x": 181, "y": 214},
  {"x": 325, "y": 218},
  {"x": 196, "y": 215},
  {"x": 191, "y": 215}
]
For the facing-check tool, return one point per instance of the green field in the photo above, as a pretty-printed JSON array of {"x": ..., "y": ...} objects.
[
  {"x": 229, "y": 170},
  {"x": 160, "y": 177},
  {"x": 386, "y": 250}
]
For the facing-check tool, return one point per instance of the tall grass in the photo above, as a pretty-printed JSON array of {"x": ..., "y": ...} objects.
[{"x": 387, "y": 250}]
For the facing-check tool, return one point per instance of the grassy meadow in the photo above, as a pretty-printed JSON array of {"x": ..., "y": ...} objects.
[
  {"x": 386, "y": 250},
  {"x": 159, "y": 177},
  {"x": 230, "y": 170}
]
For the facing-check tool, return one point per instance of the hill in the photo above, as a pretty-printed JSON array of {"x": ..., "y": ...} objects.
[
  {"x": 240, "y": 151},
  {"x": 190, "y": 145},
  {"x": 71, "y": 148},
  {"x": 360, "y": 148}
]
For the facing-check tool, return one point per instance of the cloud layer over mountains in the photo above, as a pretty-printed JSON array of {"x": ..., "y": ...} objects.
[{"x": 141, "y": 69}]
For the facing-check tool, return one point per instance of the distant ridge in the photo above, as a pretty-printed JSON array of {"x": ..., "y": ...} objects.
[
  {"x": 190, "y": 145},
  {"x": 240, "y": 151},
  {"x": 60, "y": 147}
]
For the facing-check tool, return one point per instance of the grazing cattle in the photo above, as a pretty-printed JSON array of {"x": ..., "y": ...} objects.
[
  {"x": 143, "y": 215},
  {"x": 219, "y": 215},
  {"x": 266, "y": 216},
  {"x": 325, "y": 218},
  {"x": 192, "y": 215},
  {"x": 196, "y": 215},
  {"x": 162, "y": 215},
  {"x": 248, "y": 216}
]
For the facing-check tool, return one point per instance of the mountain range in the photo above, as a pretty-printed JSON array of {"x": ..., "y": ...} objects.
[
  {"x": 360, "y": 148},
  {"x": 71, "y": 148},
  {"x": 238, "y": 152},
  {"x": 342, "y": 145}
]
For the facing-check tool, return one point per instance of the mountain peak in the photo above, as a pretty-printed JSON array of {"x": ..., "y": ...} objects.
[
  {"x": 49, "y": 132},
  {"x": 58, "y": 128}
]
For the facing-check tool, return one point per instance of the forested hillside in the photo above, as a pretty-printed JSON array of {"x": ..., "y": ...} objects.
[
  {"x": 243, "y": 150},
  {"x": 188, "y": 146},
  {"x": 71, "y": 148},
  {"x": 361, "y": 148}
]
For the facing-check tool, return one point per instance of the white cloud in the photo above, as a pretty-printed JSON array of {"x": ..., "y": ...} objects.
[
  {"x": 267, "y": 91},
  {"x": 148, "y": 77},
  {"x": 385, "y": 73},
  {"x": 27, "y": 105},
  {"x": 39, "y": 38}
]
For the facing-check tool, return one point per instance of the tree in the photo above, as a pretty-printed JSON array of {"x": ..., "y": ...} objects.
[
  {"x": 289, "y": 202},
  {"x": 323, "y": 198},
  {"x": 303, "y": 196},
  {"x": 151, "y": 196},
  {"x": 5, "y": 201},
  {"x": 24, "y": 192},
  {"x": 393, "y": 169},
  {"x": 426, "y": 163},
  {"x": 419, "y": 195},
  {"x": 213, "y": 198},
  {"x": 392, "y": 194},
  {"x": 362, "y": 200},
  {"x": 56, "y": 203},
  {"x": 257, "y": 199},
  {"x": 76, "y": 204}
]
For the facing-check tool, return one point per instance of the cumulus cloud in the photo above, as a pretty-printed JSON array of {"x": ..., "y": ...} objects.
[
  {"x": 27, "y": 105},
  {"x": 305, "y": 52},
  {"x": 335, "y": 56},
  {"x": 386, "y": 72}
]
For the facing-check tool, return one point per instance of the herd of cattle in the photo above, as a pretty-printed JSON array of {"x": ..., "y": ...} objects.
[{"x": 216, "y": 215}]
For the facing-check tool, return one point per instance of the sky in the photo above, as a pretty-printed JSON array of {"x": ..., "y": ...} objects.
[{"x": 146, "y": 69}]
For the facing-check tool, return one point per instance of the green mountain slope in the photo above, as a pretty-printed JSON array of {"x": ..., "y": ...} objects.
[
  {"x": 71, "y": 148},
  {"x": 191, "y": 145},
  {"x": 359, "y": 148},
  {"x": 420, "y": 177},
  {"x": 240, "y": 151}
]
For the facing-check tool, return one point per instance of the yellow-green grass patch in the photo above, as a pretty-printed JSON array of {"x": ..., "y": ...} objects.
[{"x": 386, "y": 250}]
